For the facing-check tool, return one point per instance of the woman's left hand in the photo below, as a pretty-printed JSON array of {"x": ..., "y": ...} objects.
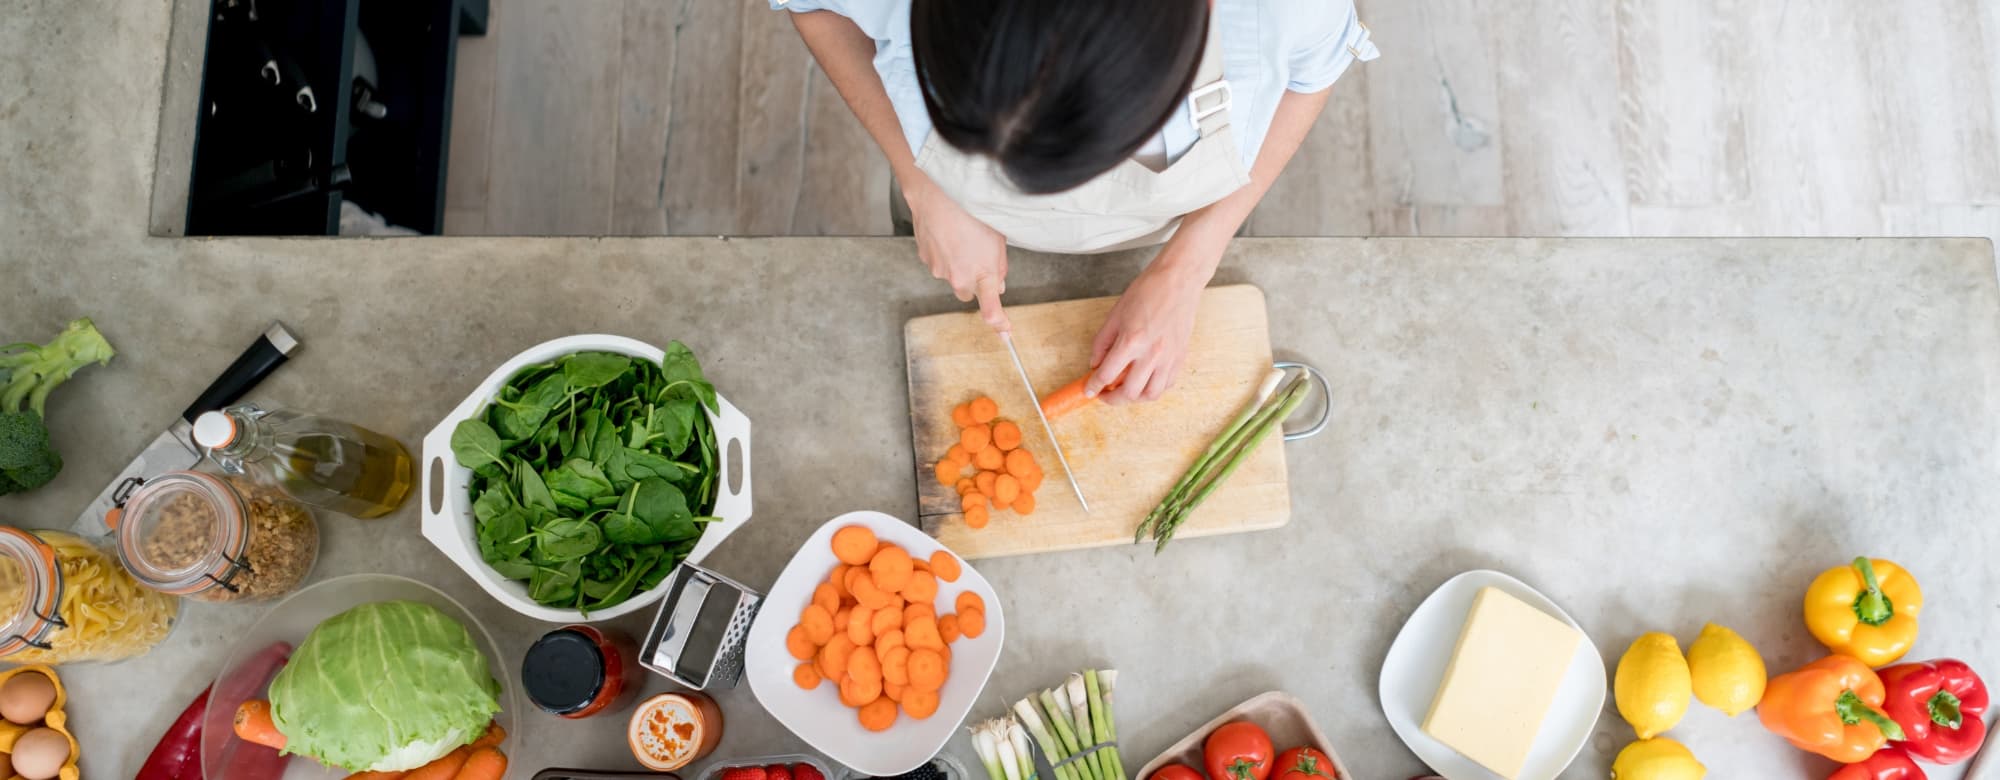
[{"x": 1143, "y": 344}]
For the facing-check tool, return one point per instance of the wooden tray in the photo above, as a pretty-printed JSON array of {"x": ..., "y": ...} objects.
[
  {"x": 1125, "y": 457},
  {"x": 1279, "y": 714}
]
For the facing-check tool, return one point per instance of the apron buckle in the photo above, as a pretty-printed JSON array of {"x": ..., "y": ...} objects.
[{"x": 1196, "y": 113}]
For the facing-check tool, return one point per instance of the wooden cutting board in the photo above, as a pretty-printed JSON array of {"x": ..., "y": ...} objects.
[{"x": 1126, "y": 457}]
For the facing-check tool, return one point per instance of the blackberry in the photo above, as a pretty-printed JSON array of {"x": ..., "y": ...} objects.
[{"x": 929, "y": 771}]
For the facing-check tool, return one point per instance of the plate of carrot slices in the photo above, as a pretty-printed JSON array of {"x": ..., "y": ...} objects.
[
  {"x": 988, "y": 467},
  {"x": 874, "y": 643}
]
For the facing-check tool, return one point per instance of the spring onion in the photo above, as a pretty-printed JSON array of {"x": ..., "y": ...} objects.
[
  {"x": 1100, "y": 723},
  {"x": 1051, "y": 746},
  {"x": 1209, "y": 473},
  {"x": 1079, "y": 704},
  {"x": 988, "y": 748},
  {"x": 1058, "y": 714},
  {"x": 1017, "y": 738}
]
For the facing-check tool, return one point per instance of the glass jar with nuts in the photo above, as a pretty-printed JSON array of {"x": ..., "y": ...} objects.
[{"x": 216, "y": 538}]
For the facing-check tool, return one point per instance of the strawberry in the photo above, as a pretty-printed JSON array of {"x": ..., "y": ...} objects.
[
  {"x": 806, "y": 772},
  {"x": 744, "y": 773},
  {"x": 777, "y": 772}
]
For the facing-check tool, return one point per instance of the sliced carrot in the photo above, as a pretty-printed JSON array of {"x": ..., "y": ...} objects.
[
  {"x": 975, "y": 438},
  {"x": 895, "y": 666},
  {"x": 892, "y": 691},
  {"x": 864, "y": 665},
  {"x": 827, "y": 597},
  {"x": 847, "y": 580},
  {"x": 878, "y": 715},
  {"x": 856, "y": 692},
  {"x": 945, "y": 566},
  {"x": 999, "y": 505},
  {"x": 984, "y": 410},
  {"x": 885, "y": 621},
  {"x": 1006, "y": 435},
  {"x": 946, "y": 652},
  {"x": 976, "y": 517},
  {"x": 806, "y": 676},
  {"x": 968, "y": 600},
  {"x": 922, "y": 634},
  {"x": 1032, "y": 482},
  {"x": 442, "y": 769},
  {"x": 891, "y": 569},
  {"x": 1024, "y": 504},
  {"x": 1005, "y": 488},
  {"x": 833, "y": 657},
  {"x": 1020, "y": 462},
  {"x": 888, "y": 640},
  {"x": 483, "y": 764},
  {"x": 840, "y": 619},
  {"x": 969, "y": 500},
  {"x": 818, "y": 624},
  {"x": 985, "y": 482},
  {"x": 838, "y": 579},
  {"x": 1070, "y": 397},
  {"x": 926, "y": 670},
  {"x": 492, "y": 738},
  {"x": 947, "y": 471},
  {"x": 859, "y": 624},
  {"x": 972, "y": 622},
  {"x": 854, "y": 545},
  {"x": 966, "y": 485},
  {"x": 921, "y": 588},
  {"x": 914, "y": 613},
  {"x": 920, "y": 704},
  {"x": 958, "y": 453},
  {"x": 919, "y": 564},
  {"x": 990, "y": 459},
  {"x": 869, "y": 593},
  {"x": 799, "y": 643},
  {"x": 254, "y": 725},
  {"x": 948, "y": 628},
  {"x": 961, "y": 415}
]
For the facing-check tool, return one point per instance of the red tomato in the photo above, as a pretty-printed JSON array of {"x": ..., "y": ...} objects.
[
  {"x": 1175, "y": 772},
  {"x": 1304, "y": 763},
  {"x": 1238, "y": 751}
]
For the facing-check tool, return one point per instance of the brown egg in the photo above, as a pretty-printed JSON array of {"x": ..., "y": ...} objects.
[
  {"x": 40, "y": 754},
  {"x": 27, "y": 697}
]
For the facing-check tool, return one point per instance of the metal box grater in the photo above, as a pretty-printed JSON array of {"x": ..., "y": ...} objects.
[{"x": 697, "y": 637}]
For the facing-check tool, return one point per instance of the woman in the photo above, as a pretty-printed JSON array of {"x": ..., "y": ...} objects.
[{"x": 1086, "y": 126}]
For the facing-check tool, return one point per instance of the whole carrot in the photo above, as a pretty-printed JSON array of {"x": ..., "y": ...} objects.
[
  {"x": 484, "y": 764},
  {"x": 442, "y": 769},
  {"x": 253, "y": 725}
]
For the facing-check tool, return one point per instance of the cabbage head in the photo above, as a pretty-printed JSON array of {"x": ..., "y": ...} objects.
[{"x": 384, "y": 687}]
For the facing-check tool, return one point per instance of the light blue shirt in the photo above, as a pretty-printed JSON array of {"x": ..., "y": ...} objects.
[{"x": 1269, "y": 47}]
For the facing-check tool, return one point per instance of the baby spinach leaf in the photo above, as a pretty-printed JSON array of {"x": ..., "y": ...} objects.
[
  {"x": 475, "y": 444},
  {"x": 579, "y": 478},
  {"x": 663, "y": 508},
  {"x": 505, "y": 537},
  {"x": 513, "y": 568},
  {"x": 621, "y": 589},
  {"x": 587, "y": 370},
  {"x": 567, "y": 539},
  {"x": 554, "y": 585},
  {"x": 640, "y": 464},
  {"x": 680, "y": 369},
  {"x": 534, "y": 492},
  {"x": 533, "y": 407}
]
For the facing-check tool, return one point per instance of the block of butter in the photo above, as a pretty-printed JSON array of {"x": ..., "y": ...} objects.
[{"x": 1503, "y": 677}]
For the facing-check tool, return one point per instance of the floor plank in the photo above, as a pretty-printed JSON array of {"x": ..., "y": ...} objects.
[
  {"x": 844, "y": 184},
  {"x": 702, "y": 129},
  {"x": 1810, "y": 150},
  {"x": 1933, "y": 99},
  {"x": 554, "y": 118},
  {"x": 473, "y": 83},
  {"x": 770, "y": 165},
  {"x": 1329, "y": 188},
  {"x": 1680, "y": 64},
  {"x": 646, "y": 77},
  {"x": 1433, "y": 103},
  {"x": 1559, "y": 114}
]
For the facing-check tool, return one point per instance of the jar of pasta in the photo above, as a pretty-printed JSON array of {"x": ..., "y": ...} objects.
[
  {"x": 216, "y": 538},
  {"x": 63, "y": 600}
]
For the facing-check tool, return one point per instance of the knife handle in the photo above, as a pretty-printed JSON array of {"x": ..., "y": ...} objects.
[{"x": 270, "y": 351}]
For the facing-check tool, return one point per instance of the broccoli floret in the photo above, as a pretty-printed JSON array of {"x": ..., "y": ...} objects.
[{"x": 27, "y": 374}]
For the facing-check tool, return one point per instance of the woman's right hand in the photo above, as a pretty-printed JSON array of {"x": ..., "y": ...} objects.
[{"x": 960, "y": 249}]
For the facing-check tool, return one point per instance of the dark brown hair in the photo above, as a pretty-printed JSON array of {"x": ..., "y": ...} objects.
[{"x": 1057, "y": 91}]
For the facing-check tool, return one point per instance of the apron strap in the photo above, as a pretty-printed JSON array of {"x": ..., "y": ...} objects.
[{"x": 1208, "y": 103}]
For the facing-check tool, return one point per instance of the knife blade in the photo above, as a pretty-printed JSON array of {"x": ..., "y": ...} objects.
[
  {"x": 1035, "y": 399},
  {"x": 174, "y": 448}
]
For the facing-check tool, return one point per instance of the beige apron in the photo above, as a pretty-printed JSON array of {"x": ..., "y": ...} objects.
[{"x": 1125, "y": 207}]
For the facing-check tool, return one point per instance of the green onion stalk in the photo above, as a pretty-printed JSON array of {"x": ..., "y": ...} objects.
[
  {"x": 1017, "y": 738},
  {"x": 986, "y": 742},
  {"x": 1099, "y": 691},
  {"x": 1079, "y": 706},
  {"x": 1051, "y": 745},
  {"x": 1236, "y": 448},
  {"x": 1058, "y": 715}
]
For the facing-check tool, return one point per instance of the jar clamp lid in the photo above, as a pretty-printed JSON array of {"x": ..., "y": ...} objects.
[
  {"x": 29, "y": 621},
  {"x": 183, "y": 532}
]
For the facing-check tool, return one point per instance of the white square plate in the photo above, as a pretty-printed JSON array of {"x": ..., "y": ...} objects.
[
  {"x": 1416, "y": 664},
  {"x": 817, "y": 716}
]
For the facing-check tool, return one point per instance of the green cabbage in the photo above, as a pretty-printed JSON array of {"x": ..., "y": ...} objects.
[{"x": 384, "y": 687}]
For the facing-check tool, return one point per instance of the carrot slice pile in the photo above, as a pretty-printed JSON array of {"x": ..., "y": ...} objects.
[
  {"x": 872, "y": 629},
  {"x": 1004, "y": 473}
]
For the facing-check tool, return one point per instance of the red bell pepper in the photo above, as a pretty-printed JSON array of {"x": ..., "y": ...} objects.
[
  {"x": 1938, "y": 704},
  {"x": 1889, "y": 763},
  {"x": 178, "y": 756}
]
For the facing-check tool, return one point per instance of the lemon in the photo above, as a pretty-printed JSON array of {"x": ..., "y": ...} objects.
[
  {"x": 1658, "y": 758},
  {"x": 1728, "y": 673},
  {"x": 1652, "y": 685}
]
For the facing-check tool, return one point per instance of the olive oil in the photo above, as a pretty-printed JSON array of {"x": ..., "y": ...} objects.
[{"x": 320, "y": 461}]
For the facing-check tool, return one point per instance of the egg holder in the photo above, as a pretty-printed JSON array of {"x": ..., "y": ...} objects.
[{"x": 9, "y": 732}]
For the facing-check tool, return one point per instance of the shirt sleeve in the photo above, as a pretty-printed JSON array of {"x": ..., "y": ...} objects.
[{"x": 1332, "y": 38}]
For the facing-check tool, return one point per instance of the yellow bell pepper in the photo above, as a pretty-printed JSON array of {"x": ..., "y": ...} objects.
[{"x": 1866, "y": 610}]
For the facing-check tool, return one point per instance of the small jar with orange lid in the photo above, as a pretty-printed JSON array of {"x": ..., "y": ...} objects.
[
  {"x": 64, "y": 600},
  {"x": 216, "y": 538}
]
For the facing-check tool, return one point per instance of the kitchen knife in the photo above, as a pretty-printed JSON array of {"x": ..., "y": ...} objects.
[
  {"x": 1035, "y": 399},
  {"x": 174, "y": 448}
]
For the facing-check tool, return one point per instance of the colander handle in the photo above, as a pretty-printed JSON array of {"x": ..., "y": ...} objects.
[{"x": 732, "y": 432}]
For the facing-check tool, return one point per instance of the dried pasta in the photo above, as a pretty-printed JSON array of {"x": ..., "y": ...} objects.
[{"x": 111, "y": 616}]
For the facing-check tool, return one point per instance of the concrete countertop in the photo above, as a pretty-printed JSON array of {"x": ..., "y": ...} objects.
[{"x": 1655, "y": 433}]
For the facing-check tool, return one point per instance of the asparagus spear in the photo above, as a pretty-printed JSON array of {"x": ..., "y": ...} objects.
[
  {"x": 1051, "y": 746},
  {"x": 1242, "y": 444},
  {"x": 1264, "y": 391}
]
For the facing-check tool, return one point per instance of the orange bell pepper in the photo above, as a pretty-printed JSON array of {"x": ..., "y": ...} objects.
[{"x": 1832, "y": 706}]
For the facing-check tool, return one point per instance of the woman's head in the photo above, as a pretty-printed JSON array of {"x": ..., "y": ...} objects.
[{"x": 1056, "y": 91}]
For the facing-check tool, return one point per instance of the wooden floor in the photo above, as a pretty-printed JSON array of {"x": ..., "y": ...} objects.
[{"x": 1534, "y": 117}]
